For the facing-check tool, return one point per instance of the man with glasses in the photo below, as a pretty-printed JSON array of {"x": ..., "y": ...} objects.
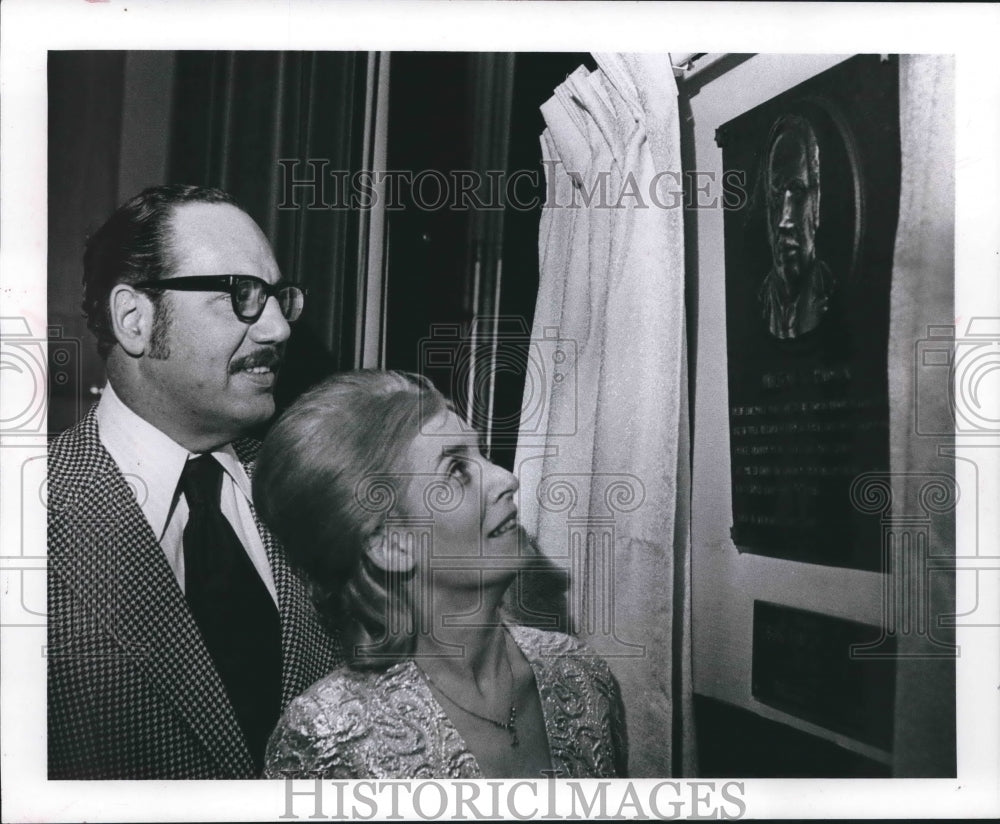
[{"x": 177, "y": 631}]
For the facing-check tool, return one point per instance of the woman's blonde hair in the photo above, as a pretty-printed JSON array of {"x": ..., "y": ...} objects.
[{"x": 326, "y": 477}]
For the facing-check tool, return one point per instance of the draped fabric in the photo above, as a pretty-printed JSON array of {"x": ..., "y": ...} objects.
[
  {"x": 604, "y": 476},
  {"x": 921, "y": 309}
]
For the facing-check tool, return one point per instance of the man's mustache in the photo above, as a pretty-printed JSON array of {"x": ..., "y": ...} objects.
[{"x": 271, "y": 358}]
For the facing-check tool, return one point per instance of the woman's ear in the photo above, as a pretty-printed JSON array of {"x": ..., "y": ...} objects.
[{"x": 389, "y": 553}]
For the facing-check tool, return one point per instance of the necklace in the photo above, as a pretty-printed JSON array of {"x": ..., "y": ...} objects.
[{"x": 507, "y": 726}]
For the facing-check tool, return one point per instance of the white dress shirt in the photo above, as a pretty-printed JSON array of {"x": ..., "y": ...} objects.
[{"x": 152, "y": 464}]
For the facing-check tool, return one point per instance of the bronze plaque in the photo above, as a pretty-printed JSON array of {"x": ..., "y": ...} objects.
[
  {"x": 802, "y": 664},
  {"x": 808, "y": 270}
]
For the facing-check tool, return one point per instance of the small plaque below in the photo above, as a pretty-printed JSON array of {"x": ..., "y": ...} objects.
[{"x": 802, "y": 665}]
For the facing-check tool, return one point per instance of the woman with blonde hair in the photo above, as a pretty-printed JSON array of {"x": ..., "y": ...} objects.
[{"x": 409, "y": 539}]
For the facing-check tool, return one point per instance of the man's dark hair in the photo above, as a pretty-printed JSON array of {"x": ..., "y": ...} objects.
[{"x": 133, "y": 245}]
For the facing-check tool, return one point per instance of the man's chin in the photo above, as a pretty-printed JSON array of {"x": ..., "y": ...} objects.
[{"x": 255, "y": 408}]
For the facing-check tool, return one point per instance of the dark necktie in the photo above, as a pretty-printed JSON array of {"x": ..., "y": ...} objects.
[{"x": 231, "y": 606}]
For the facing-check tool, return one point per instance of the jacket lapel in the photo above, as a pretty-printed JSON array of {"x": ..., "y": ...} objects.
[
  {"x": 151, "y": 614},
  {"x": 285, "y": 584},
  {"x": 309, "y": 650}
]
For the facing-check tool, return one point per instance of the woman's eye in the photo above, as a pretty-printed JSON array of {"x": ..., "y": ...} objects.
[{"x": 458, "y": 468}]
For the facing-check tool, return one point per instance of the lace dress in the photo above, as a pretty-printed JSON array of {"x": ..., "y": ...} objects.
[{"x": 389, "y": 725}]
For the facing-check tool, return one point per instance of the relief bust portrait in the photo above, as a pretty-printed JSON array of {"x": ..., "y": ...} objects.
[{"x": 795, "y": 293}]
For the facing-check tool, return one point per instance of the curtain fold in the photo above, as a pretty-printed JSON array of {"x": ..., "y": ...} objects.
[
  {"x": 604, "y": 485},
  {"x": 921, "y": 307}
]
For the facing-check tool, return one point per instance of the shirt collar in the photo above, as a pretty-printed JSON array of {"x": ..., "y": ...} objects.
[{"x": 151, "y": 461}]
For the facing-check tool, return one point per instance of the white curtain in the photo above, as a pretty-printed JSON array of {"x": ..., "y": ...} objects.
[
  {"x": 604, "y": 464},
  {"x": 922, "y": 300}
]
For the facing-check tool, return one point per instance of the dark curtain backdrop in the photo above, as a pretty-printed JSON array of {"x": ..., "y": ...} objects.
[
  {"x": 462, "y": 283},
  {"x": 235, "y": 115},
  {"x": 85, "y": 125}
]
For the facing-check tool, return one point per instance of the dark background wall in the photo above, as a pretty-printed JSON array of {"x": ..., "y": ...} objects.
[
  {"x": 109, "y": 115},
  {"x": 122, "y": 121},
  {"x": 86, "y": 97},
  {"x": 432, "y": 253}
]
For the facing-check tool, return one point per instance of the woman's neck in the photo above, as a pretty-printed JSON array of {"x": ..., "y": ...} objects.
[{"x": 472, "y": 643}]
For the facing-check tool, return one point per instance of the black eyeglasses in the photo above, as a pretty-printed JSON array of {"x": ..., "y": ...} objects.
[{"x": 249, "y": 294}]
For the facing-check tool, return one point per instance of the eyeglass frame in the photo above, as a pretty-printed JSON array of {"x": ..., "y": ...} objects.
[{"x": 226, "y": 283}]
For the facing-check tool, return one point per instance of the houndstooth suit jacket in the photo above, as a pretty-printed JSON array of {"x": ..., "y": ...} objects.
[{"x": 132, "y": 691}]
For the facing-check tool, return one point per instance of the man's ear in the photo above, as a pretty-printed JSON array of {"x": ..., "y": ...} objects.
[
  {"x": 389, "y": 554},
  {"x": 131, "y": 318}
]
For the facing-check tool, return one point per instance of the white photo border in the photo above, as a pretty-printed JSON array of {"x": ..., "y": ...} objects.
[{"x": 30, "y": 28}]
